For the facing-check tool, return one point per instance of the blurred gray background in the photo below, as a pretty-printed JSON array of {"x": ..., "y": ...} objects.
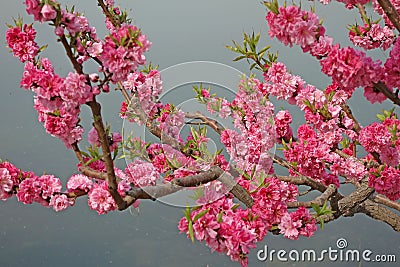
[{"x": 181, "y": 31}]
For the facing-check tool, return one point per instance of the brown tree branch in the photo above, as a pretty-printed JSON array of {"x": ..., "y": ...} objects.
[
  {"x": 108, "y": 14},
  {"x": 111, "y": 178},
  {"x": 381, "y": 213},
  {"x": 380, "y": 199},
  {"x": 215, "y": 125},
  {"x": 381, "y": 87},
  {"x": 78, "y": 67},
  {"x": 349, "y": 114},
  {"x": 215, "y": 172},
  {"x": 349, "y": 202},
  {"x": 320, "y": 200},
  {"x": 391, "y": 12}
]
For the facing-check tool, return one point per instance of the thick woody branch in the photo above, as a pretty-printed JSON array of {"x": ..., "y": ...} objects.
[
  {"x": 381, "y": 213},
  {"x": 215, "y": 172},
  {"x": 303, "y": 180},
  {"x": 320, "y": 200},
  {"x": 391, "y": 12},
  {"x": 380, "y": 199},
  {"x": 349, "y": 202}
]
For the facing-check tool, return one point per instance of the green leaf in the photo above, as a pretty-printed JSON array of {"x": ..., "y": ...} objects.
[
  {"x": 200, "y": 214},
  {"x": 239, "y": 58},
  {"x": 235, "y": 206},
  {"x": 186, "y": 212},
  {"x": 191, "y": 233},
  {"x": 316, "y": 208},
  {"x": 219, "y": 217}
]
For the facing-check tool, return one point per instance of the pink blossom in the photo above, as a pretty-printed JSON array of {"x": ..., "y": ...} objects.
[
  {"x": 282, "y": 84},
  {"x": 391, "y": 67},
  {"x": 59, "y": 202},
  {"x": 373, "y": 95},
  {"x": 322, "y": 47},
  {"x": 93, "y": 137},
  {"x": 6, "y": 184},
  {"x": 100, "y": 199},
  {"x": 171, "y": 121},
  {"x": 351, "y": 168},
  {"x": 293, "y": 25},
  {"x": 95, "y": 49},
  {"x": 386, "y": 182},
  {"x": 371, "y": 36},
  {"x": 122, "y": 53},
  {"x": 288, "y": 227},
  {"x": 22, "y": 42},
  {"x": 148, "y": 87},
  {"x": 48, "y": 12},
  {"x": 142, "y": 173},
  {"x": 283, "y": 129},
  {"x": 351, "y": 68},
  {"x": 374, "y": 137},
  {"x": 351, "y": 3},
  {"x": 297, "y": 223},
  {"x": 390, "y": 156},
  {"x": 79, "y": 182},
  {"x": 33, "y": 8},
  {"x": 76, "y": 89},
  {"x": 38, "y": 189}
]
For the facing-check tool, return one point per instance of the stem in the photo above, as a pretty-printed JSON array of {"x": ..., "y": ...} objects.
[
  {"x": 384, "y": 90},
  {"x": 111, "y": 178},
  {"x": 108, "y": 14}
]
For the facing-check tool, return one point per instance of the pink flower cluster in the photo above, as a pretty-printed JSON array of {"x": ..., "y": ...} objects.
[
  {"x": 57, "y": 100},
  {"x": 291, "y": 25},
  {"x": 386, "y": 182},
  {"x": 41, "y": 12},
  {"x": 123, "y": 52},
  {"x": 351, "y": 68},
  {"x": 29, "y": 188},
  {"x": 45, "y": 189},
  {"x": 310, "y": 153},
  {"x": 348, "y": 67},
  {"x": 351, "y": 168},
  {"x": 227, "y": 228},
  {"x": 253, "y": 117},
  {"x": 280, "y": 83},
  {"x": 375, "y": 137},
  {"x": 282, "y": 126},
  {"x": 142, "y": 173},
  {"x": 22, "y": 42},
  {"x": 10, "y": 178},
  {"x": 371, "y": 36},
  {"x": 79, "y": 182},
  {"x": 297, "y": 223},
  {"x": 99, "y": 199},
  {"x": 270, "y": 201},
  {"x": 391, "y": 67},
  {"x": 171, "y": 120},
  {"x": 147, "y": 88}
]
